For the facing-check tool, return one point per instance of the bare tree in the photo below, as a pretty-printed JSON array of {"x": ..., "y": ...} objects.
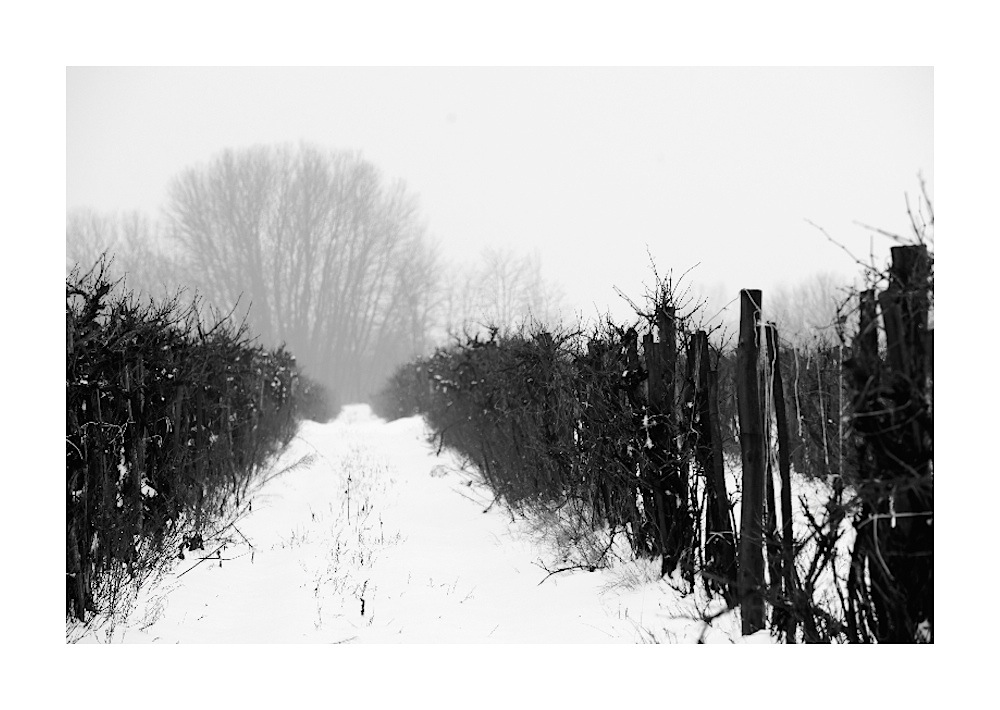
[
  {"x": 458, "y": 299},
  {"x": 133, "y": 243},
  {"x": 504, "y": 290},
  {"x": 502, "y": 295},
  {"x": 315, "y": 248},
  {"x": 543, "y": 298},
  {"x": 808, "y": 311}
]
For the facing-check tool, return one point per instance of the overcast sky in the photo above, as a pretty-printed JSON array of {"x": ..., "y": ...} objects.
[{"x": 717, "y": 167}]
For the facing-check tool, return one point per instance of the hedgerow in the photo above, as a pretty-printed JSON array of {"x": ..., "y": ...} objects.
[
  {"x": 563, "y": 422},
  {"x": 168, "y": 420},
  {"x": 552, "y": 420}
]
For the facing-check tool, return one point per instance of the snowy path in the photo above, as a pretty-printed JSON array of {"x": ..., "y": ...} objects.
[{"x": 378, "y": 540}]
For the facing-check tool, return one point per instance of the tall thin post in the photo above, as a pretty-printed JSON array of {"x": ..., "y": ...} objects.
[
  {"x": 673, "y": 476},
  {"x": 785, "y": 475},
  {"x": 654, "y": 443},
  {"x": 719, "y": 544},
  {"x": 771, "y": 550},
  {"x": 751, "y": 557},
  {"x": 640, "y": 528}
]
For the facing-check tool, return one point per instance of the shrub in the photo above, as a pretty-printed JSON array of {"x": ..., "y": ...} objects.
[
  {"x": 405, "y": 393},
  {"x": 550, "y": 419},
  {"x": 168, "y": 419},
  {"x": 314, "y": 401},
  {"x": 562, "y": 422}
]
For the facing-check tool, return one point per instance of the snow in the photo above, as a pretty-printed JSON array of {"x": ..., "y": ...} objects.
[{"x": 362, "y": 534}]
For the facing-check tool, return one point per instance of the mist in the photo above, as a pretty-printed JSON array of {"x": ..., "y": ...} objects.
[{"x": 364, "y": 232}]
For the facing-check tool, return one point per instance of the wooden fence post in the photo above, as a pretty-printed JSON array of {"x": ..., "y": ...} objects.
[
  {"x": 772, "y": 556},
  {"x": 801, "y": 451},
  {"x": 632, "y": 392},
  {"x": 765, "y": 378},
  {"x": 910, "y": 532},
  {"x": 893, "y": 569},
  {"x": 667, "y": 476},
  {"x": 751, "y": 558},
  {"x": 720, "y": 550},
  {"x": 910, "y": 273},
  {"x": 654, "y": 444},
  {"x": 673, "y": 470},
  {"x": 787, "y": 566}
]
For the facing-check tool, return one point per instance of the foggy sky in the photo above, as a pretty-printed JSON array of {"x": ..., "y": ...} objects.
[{"x": 590, "y": 166}]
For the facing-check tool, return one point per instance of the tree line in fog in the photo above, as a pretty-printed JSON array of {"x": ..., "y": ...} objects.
[{"x": 318, "y": 250}]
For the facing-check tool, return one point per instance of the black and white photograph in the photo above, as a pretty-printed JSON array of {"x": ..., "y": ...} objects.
[
  {"x": 487, "y": 355},
  {"x": 498, "y": 344}
]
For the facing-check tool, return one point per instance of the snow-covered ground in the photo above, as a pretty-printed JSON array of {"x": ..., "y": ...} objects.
[{"x": 376, "y": 539}]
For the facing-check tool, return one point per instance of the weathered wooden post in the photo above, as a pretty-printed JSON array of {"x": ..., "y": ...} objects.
[
  {"x": 865, "y": 364},
  {"x": 653, "y": 499},
  {"x": 656, "y": 441},
  {"x": 800, "y": 452},
  {"x": 751, "y": 557},
  {"x": 765, "y": 379},
  {"x": 673, "y": 470},
  {"x": 632, "y": 386},
  {"x": 909, "y": 533},
  {"x": 787, "y": 567},
  {"x": 692, "y": 445},
  {"x": 720, "y": 550},
  {"x": 893, "y": 572},
  {"x": 665, "y": 500},
  {"x": 667, "y": 476},
  {"x": 908, "y": 300},
  {"x": 772, "y": 554}
]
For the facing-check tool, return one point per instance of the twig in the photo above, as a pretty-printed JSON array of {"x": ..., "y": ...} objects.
[
  {"x": 467, "y": 497},
  {"x": 707, "y": 620},
  {"x": 589, "y": 568},
  {"x": 243, "y": 536},
  {"x": 891, "y": 235},
  {"x": 721, "y": 310},
  {"x": 224, "y": 559},
  {"x": 826, "y": 234},
  {"x": 209, "y": 557}
]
